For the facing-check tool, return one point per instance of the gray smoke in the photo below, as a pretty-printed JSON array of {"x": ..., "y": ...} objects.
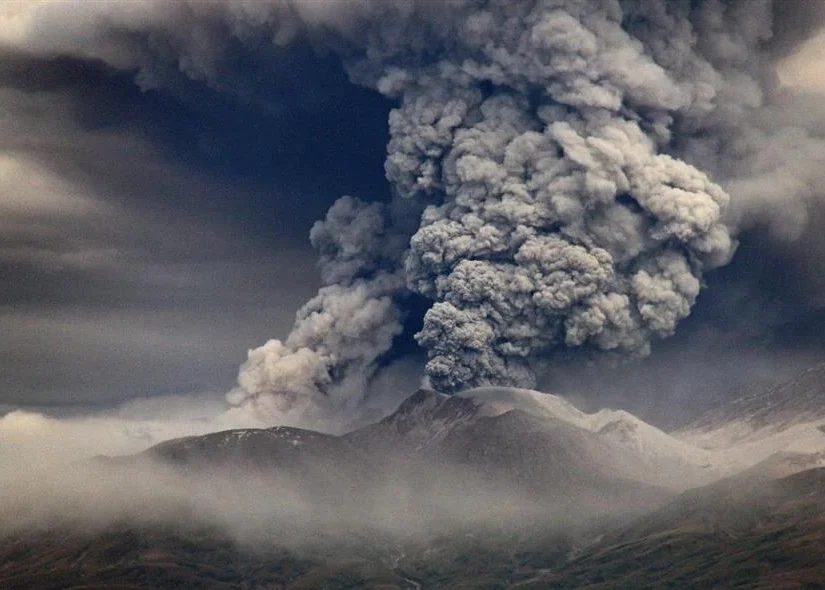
[
  {"x": 578, "y": 234},
  {"x": 564, "y": 171},
  {"x": 341, "y": 332}
]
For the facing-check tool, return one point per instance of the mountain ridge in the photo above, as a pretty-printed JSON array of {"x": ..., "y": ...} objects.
[
  {"x": 796, "y": 401},
  {"x": 493, "y": 487},
  {"x": 679, "y": 460}
]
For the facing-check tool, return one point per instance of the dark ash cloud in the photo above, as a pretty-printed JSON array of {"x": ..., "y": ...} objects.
[{"x": 561, "y": 176}]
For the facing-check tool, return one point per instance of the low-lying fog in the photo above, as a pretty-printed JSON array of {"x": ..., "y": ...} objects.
[{"x": 52, "y": 475}]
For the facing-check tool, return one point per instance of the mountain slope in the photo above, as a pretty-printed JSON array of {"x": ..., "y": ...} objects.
[
  {"x": 436, "y": 452},
  {"x": 545, "y": 436},
  {"x": 419, "y": 423},
  {"x": 427, "y": 418},
  {"x": 125, "y": 557},
  {"x": 495, "y": 487},
  {"x": 787, "y": 420},
  {"x": 673, "y": 461},
  {"x": 733, "y": 534},
  {"x": 550, "y": 451},
  {"x": 281, "y": 446},
  {"x": 759, "y": 415},
  {"x": 727, "y": 535}
]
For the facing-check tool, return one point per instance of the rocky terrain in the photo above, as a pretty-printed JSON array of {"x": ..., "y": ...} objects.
[{"x": 491, "y": 488}]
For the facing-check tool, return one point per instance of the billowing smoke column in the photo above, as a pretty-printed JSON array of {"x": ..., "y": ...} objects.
[
  {"x": 576, "y": 234},
  {"x": 341, "y": 332},
  {"x": 547, "y": 144},
  {"x": 557, "y": 168},
  {"x": 534, "y": 137}
]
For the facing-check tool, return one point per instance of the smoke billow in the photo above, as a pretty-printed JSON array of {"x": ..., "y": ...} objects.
[{"x": 564, "y": 172}]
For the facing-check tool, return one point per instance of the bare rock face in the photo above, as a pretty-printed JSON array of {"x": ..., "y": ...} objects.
[{"x": 421, "y": 422}]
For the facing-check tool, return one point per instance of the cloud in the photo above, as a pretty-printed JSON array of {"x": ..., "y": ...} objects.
[
  {"x": 114, "y": 283},
  {"x": 127, "y": 429},
  {"x": 578, "y": 177},
  {"x": 147, "y": 237},
  {"x": 636, "y": 142},
  {"x": 805, "y": 68}
]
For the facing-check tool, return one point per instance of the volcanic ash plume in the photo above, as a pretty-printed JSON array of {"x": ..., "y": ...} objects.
[
  {"x": 341, "y": 332},
  {"x": 563, "y": 171},
  {"x": 538, "y": 137},
  {"x": 557, "y": 233}
]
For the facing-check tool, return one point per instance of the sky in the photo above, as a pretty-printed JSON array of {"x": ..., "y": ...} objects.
[
  {"x": 148, "y": 241},
  {"x": 154, "y": 229}
]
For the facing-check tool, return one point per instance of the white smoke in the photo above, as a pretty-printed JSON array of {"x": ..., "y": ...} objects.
[
  {"x": 340, "y": 333},
  {"x": 564, "y": 171}
]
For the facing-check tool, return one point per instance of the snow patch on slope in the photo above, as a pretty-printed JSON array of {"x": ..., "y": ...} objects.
[
  {"x": 494, "y": 401},
  {"x": 737, "y": 446},
  {"x": 699, "y": 456},
  {"x": 657, "y": 448}
]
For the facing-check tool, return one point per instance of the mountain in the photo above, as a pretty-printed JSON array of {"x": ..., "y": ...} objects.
[
  {"x": 515, "y": 441},
  {"x": 420, "y": 423},
  {"x": 784, "y": 463},
  {"x": 800, "y": 400},
  {"x": 787, "y": 419},
  {"x": 534, "y": 441},
  {"x": 612, "y": 442},
  {"x": 490, "y": 488},
  {"x": 546, "y": 457},
  {"x": 293, "y": 450},
  {"x": 738, "y": 533},
  {"x": 664, "y": 459}
]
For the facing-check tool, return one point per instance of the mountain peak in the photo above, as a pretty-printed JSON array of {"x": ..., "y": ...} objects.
[
  {"x": 422, "y": 420},
  {"x": 422, "y": 400}
]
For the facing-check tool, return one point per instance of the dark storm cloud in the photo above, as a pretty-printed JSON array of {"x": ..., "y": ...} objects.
[
  {"x": 581, "y": 171},
  {"x": 98, "y": 306},
  {"x": 571, "y": 197},
  {"x": 148, "y": 237}
]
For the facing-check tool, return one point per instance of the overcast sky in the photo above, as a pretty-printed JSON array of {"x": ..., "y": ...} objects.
[
  {"x": 148, "y": 240},
  {"x": 149, "y": 236}
]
